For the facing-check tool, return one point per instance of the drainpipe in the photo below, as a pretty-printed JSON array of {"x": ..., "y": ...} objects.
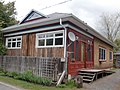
[
  {"x": 65, "y": 46},
  {"x": 65, "y": 55}
]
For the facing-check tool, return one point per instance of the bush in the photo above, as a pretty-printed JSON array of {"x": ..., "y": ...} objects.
[
  {"x": 2, "y": 72},
  {"x": 71, "y": 83},
  {"x": 9, "y": 74},
  {"x": 29, "y": 77},
  {"x": 61, "y": 86}
]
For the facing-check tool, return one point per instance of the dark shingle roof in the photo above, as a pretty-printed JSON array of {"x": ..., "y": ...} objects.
[{"x": 56, "y": 16}]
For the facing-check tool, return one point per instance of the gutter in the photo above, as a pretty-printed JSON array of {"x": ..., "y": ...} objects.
[{"x": 70, "y": 18}]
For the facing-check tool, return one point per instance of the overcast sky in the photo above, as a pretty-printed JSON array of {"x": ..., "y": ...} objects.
[{"x": 86, "y": 10}]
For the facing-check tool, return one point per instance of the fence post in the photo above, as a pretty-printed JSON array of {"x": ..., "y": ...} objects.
[
  {"x": 1, "y": 65},
  {"x": 22, "y": 64}
]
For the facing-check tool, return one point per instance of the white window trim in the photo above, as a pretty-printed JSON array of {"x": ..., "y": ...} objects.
[
  {"x": 13, "y": 41},
  {"x": 105, "y": 54},
  {"x": 53, "y": 32}
]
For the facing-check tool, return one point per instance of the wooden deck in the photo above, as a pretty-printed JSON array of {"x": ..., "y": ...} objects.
[{"x": 90, "y": 75}]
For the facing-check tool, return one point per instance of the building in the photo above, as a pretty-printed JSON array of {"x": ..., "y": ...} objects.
[
  {"x": 47, "y": 36},
  {"x": 117, "y": 59}
]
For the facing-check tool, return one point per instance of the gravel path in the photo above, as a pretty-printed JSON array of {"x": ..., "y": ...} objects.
[{"x": 110, "y": 82}]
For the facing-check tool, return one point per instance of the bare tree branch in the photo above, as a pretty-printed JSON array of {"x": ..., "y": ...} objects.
[{"x": 110, "y": 24}]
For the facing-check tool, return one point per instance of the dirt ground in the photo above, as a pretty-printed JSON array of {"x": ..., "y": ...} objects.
[{"x": 111, "y": 82}]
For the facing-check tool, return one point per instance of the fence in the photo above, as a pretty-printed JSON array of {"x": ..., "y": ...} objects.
[{"x": 41, "y": 66}]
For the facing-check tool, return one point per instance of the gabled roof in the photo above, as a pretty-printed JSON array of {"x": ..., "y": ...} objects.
[
  {"x": 54, "y": 18},
  {"x": 32, "y": 15}
]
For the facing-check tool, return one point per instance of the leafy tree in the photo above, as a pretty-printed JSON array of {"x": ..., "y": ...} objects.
[
  {"x": 2, "y": 47},
  {"x": 7, "y": 18},
  {"x": 117, "y": 42}
]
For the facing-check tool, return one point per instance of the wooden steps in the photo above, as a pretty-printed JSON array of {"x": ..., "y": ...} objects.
[{"x": 87, "y": 76}]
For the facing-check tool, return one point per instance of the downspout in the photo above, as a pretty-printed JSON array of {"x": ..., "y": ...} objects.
[
  {"x": 65, "y": 55},
  {"x": 65, "y": 46}
]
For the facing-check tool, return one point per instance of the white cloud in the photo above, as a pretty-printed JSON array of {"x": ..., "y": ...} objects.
[{"x": 87, "y": 10}]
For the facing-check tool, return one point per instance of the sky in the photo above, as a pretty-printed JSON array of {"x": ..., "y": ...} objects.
[{"x": 88, "y": 11}]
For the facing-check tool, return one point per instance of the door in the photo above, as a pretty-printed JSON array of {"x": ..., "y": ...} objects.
[
  {"x": 76, "y": 57},
  {"x": 80, "y": 54},
  {"x": 83, "y": 54}
]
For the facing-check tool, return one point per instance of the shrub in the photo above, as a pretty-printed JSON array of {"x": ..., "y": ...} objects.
[
  {"x": 15, "y": 75},
  {"x": 61, "y": 86},
  {"x": 46, "y": 82},
  {"x": 9, "y": 74},
  {"x": 29, "y": 77},
  {"x": 2, "y": 72},
  {"x": 71, "y": 83}
]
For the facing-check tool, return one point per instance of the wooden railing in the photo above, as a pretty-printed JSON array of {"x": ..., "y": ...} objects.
[{"x": 41, "y": 66}]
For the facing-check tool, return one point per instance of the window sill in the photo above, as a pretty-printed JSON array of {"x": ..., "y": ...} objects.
[
  {"x": 102, "y": 60},
  {"x": 49, "y": 46},
  {"x": 13, "y": 48}
]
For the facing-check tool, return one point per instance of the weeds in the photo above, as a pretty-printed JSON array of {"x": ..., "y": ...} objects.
[{"x": 27, "y": 76}]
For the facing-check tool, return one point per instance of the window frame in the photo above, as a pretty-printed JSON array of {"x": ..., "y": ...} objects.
[
  {"x": 103, "y": 53},
  {"x": 110, "y": 57},
  {"x": 16, "y": 37},
  {"x": 54, "y": 37}
]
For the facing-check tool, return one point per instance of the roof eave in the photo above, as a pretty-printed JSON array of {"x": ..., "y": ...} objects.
[{"x": 70, "y": 18}]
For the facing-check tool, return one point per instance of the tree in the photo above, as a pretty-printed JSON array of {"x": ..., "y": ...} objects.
[
  {"x": 117, "y": 42},
  {"x": 7, "y": 18},
  {"x": 110, "y": 25},
  {"x": 2, "y": 47},
  {"x": 7, "y": 14}
]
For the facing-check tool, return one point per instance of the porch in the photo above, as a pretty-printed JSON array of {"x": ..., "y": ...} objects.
[{"x": 90, "y": 75}]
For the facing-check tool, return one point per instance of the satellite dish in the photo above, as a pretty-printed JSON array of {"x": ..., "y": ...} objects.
[{"x": 71, "y": 36}]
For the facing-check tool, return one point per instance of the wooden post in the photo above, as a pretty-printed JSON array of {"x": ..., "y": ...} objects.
[{"x": 79, "y": 81}]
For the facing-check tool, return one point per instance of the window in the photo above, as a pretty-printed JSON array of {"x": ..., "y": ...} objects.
[
  {"x": 14, "y": 42},
  {"x": 89, "y": 52},
  {"x": 82, "y": 51},
  {"x": 77, "y": 50},
  {"x": 72, "y": 51},
  {"x": 110, "y": 55},
  {"x": 102, "y": 54},
  {"x": 49, "y": 39}
]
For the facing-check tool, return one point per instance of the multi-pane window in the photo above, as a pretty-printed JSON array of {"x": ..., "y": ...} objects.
[
  {"x": 111, "y": 55},
  {"x": 89, "y": 52},
  {"x": 102, "y": 54},
  {"x": 14, "y": 42},
  {"x": 50, "y": 39},
  {"x": 82, "y": 51},
  {"x": 72, "y": 51},
  {"x": 77, "y": 50}
]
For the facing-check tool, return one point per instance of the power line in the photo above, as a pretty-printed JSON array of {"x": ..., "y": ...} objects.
[
  {"x": 56, "y": 4},
  {"x": 51, "y": 6}
]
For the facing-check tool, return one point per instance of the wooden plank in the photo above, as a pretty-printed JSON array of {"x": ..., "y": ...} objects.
[{"x": 51, "y": 52}]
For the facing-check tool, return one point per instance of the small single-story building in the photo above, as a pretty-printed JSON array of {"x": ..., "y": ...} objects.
[
  {"x": 48, "y": 36},
  {"x": 117, "y": 59}
]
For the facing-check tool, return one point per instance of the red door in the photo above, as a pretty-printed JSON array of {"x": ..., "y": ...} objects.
[{"x": 80, "y": 56}]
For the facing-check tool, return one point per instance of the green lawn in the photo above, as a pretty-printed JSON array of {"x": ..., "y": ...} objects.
[{"x": 31, "y": 86}]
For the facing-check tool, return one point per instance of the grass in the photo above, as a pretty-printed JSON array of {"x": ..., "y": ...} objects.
[{"x": 31, "y": 86}]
